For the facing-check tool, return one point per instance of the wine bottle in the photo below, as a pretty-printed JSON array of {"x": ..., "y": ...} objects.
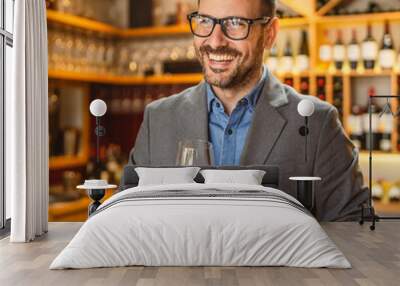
[
  {"x": 272, "y": 60},
  {"x": 288, "y": 49},
  {"x": 385, "y": 129},
  {"x": 289, "y": 81},
  {"x": 377, "y": 191},
  {"x": 303, "y": 58},
  {"x": 325, "y": 50},
  {"x": 304, "y": 86},
  {"x": 114, "y": 163},
  {"x": 385, "y": 144},
  {"x": 321, "y": 3},
  {"x": 374, "y": 7},
  {"x": 101, "y": 166},
  {"x": 286, "y": 63},
  {"x": 51, "y": 4},
  {"x": 92, "y": 170},
  {"x": 354, "y": 51},
  {"x": 339, "y": 51},
  {"x": 321, "y": 93},
  {"x": 97, "y": 170},
  {"x": 356, "y": 126},
  {"x": 369, "y": 49},
  {"x": 280, "y": 13},
  {"x": 338, "y": 95},
  {"x": 387, "y": 55},
  {"x": 56, "y": 137},
  {"x": 394, "y": 193},
  {"x": 375, "y": 130}
]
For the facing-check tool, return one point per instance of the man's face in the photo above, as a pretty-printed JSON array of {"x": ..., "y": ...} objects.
[{"x": 228, "y": 63}]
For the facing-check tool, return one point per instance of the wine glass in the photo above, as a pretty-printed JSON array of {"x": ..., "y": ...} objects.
[
  {"x": 69, "y": 48},
  {"x": 194, "y": 153},
  {"x": 123, "y": 58},
  {"x": 78, "y": 52},
  {"x": 109, "y": 56}
]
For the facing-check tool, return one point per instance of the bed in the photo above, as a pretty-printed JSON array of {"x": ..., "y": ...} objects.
[{"x": 201, "y": 224}]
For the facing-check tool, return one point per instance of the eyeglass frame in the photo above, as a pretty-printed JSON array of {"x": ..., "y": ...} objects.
[{"x": 265, "y": 20}]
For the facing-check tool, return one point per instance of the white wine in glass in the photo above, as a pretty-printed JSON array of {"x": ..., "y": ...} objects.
[{"x": 194, "y": 153}]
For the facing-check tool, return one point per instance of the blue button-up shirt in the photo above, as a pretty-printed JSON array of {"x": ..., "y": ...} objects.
[{"x": 228, "y": 133}]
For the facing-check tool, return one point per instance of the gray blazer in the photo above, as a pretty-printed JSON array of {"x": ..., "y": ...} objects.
[{"x": 273, "y": 139}]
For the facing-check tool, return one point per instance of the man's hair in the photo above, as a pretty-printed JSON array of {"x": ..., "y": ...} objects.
[{"x": 268, "y": 7}]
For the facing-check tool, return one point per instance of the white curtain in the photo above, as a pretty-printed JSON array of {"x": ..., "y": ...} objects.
[{"x": 27, "y": 124}]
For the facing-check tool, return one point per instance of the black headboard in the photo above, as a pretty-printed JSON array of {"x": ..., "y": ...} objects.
[{"x": 130, "y": 178}]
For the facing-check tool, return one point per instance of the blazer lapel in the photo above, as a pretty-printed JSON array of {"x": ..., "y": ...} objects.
[
  {"x": 193, "y": 115},
  {"x": 267, "y": 124}
]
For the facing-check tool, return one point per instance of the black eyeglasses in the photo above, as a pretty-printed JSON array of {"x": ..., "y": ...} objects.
[{"x": 235, "y": 28}]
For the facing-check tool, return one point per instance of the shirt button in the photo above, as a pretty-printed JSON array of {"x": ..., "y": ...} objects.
[
  {"x": 230, "y": 131},
  {"x": 218, "y": 105}
]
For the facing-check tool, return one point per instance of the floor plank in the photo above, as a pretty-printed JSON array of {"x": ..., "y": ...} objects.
[{"x": 375, "y": 257}]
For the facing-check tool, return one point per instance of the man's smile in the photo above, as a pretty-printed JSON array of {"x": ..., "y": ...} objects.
[{"x": 219, "y": 60}]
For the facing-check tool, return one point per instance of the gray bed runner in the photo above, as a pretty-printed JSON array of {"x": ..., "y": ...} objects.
[{"x": 205, "y": 194}]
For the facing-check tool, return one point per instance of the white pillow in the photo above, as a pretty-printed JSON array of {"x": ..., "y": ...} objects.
[
  {"x": 247, "y": 177},
  {"x": 166, "y": 176}
]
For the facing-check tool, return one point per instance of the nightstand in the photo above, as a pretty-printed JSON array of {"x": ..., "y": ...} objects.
[{"x": 96, "y": 190}]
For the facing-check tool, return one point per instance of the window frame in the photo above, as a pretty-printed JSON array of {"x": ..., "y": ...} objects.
[{"x": 6, "y": 39}]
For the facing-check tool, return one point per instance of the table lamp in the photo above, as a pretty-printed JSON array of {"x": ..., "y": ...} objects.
[
  {"x": 98, "y": 108},
  {"x": 97, "y": 188},
  {"x": 306, "y": 109},
  {"x": 305, "y": 191}
]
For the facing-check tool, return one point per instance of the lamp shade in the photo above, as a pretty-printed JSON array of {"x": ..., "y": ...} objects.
[
  {"x": 306, "y": 108},
  {"x": 98, "y": 107}
]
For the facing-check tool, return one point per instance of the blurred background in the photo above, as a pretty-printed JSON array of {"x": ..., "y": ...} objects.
[{"x": 131, "y": 52}]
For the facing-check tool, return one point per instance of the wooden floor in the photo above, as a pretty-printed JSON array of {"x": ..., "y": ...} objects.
[{"x": 375, "y": 257}]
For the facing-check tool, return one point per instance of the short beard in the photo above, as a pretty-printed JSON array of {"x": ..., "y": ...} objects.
[{"x": 241, "y": 75}]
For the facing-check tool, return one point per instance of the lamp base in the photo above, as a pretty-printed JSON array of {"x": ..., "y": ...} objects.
[{"x": 96, "y": 195}]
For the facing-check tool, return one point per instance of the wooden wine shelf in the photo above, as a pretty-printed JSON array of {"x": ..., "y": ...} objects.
[
  {"x": 69, "y": 211},
  {"x": 291, "y": 75},
  {"x": 185, "y": 29},
  {"x": 63, "y": 162},
  {"x": 312, "y": 17},
  {"x": 387, "y": 73},
  {"x": 74, "y": 210},
  {"x": 387, "y": 208},
  {"x": 328, "y": 6},
  {"x": 156, "y": 80},
  {"x": 163, "y": 31},
  {"x": 155, "y": 31},
  {"x": 127, "y": 80},
  {"x": 360, "y": 19},
  {"x": 366, "y": 73},
  {"x": 191, "y": 78},
  {"x": 304, "y": 7},
  {"x": 80, "y": 22},
  {"x": 293, "y": 22},
  {"x": 95, "y": 26}
]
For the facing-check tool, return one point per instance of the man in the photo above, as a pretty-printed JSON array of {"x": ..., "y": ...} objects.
[{"x": 248, "y": 115}]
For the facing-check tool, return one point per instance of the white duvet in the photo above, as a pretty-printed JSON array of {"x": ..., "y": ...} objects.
[{"x": 200, "y": 231}]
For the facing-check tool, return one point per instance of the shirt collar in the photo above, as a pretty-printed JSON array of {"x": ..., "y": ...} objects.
[{"x": 252, "y": 97}]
